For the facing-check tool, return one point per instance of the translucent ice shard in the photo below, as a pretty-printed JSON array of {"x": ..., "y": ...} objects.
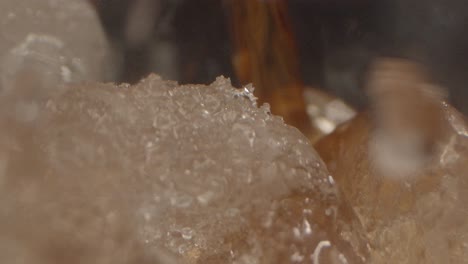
[
  {"x": 419, "y": 219},
  {"x": 196, "y": 174}
]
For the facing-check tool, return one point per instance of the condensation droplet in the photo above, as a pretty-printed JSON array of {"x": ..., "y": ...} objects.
[
  {"x": 186, "y": 233},
  {"x": 331, "y": 180},
  {"x": 296, "y": 232},
  {"x": 181, "y": 201},
  {"x": 182, "y": 249},
  {"x": 205, "y": 197},
  {"x": 297, "y": 257},
  {"x": 307, "y": 228}
]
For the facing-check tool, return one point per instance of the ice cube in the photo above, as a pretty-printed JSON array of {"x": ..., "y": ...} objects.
[
  {"x": 236, "y": 185},
  {"x": 45, "y": 43},
  {"x": 417, "y": 219},
  {"x": 408, "y": 116}
]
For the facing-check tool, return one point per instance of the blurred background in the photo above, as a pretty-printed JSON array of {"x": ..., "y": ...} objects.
[{"x": 287, "y": 47}]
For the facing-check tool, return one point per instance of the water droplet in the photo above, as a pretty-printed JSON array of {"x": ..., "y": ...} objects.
[
  {"x": 205, "y": 198},
  {"x": 330, "y": 211},
  {"x": 182, "y": 249},
  {"x": 297, "y": 257},
  {"x": 343, "y": 259},
  {"x": 296, "y": 232},
  {"x": 307, "y": 228},
  {"x": 182, "y": 201},
  {"x": 65, "y": 73},
  {"x": 186, "y": 233}
]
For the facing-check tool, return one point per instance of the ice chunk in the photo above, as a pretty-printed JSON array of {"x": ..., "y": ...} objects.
[
  {"x": 408, "y": 116},
  {"x": 419, "y": 219},
  {"x": 325, "y": 112},
  {"x": 45, "y": 43},
  {"x": 196, "y": 173}
]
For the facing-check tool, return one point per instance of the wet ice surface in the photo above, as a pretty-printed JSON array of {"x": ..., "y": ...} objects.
[
  {"x": 167, "y": 174},
  {"x": 148, "y": 174},
  {"x": 420, "y": 219},
  {"x": 45, "y": 43},
  {"x": 326, "y": 112}
]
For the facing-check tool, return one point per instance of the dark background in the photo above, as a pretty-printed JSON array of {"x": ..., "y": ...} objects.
[{"x": 336, "y": 41}]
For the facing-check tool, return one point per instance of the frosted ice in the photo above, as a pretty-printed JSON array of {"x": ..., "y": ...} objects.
[
  {"x": 420, "y": 219},
  {"x": 45, "y": 43},
  {"x": 161, "y": 173}
]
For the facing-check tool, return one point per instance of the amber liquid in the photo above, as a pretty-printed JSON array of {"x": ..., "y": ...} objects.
[{"x": 265, "y": 55}]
